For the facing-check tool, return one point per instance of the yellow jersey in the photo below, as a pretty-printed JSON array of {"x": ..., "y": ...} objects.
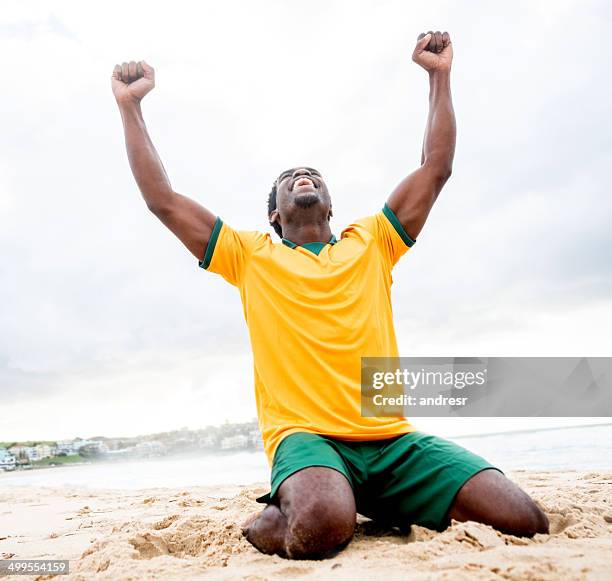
[{"x": 312, "y": 312}]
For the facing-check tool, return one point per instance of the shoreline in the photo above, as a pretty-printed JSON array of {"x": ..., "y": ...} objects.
[
  {"x": 127, "y": 459},
  {"x": 174, "y": 533},
  {"x": 196, "y": 454}
]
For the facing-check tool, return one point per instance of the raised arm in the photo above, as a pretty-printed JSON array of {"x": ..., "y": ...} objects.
[
  {"x": 414, "y": 197},
  {"x": 191, "y": 222}
]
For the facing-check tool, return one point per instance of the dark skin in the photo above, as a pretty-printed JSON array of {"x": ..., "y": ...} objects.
[
  {"x": 188, "y": 220},
  {"x": 315, "y": 510},
  {"x": 303, "y": 206},
  {"x": 303, "y": 211},
  {"x": 414, "y": 196}
]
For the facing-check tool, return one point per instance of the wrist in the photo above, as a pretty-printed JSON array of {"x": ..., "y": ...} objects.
[
  {"x": 442, "y": 73},
  {"x": 439, "y": 82},
  {"x": 129, "y": 105}
]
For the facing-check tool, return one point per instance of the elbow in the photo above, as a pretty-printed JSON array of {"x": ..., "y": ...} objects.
[
  {"x": 448, "y": 170},
  {"x": 160, "y": 206},
  {"x": 161, "y": 211},
  {"x": 157, "y": 208},
  {"x": 448, "y": 174},
  {"x": 445, "y": 173}
]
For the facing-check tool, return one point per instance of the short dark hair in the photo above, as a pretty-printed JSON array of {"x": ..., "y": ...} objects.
[{"x": 272, "y": 207}]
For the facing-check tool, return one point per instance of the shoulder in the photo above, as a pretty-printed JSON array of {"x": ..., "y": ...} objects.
[
  {"x": 383, "y": 224},
  {"x": 382, "y": 230},
  {"x": 366, "y": 229},
  {"x": 248, "y": 239},
  {"x": 227, "y": 243},
  {"x": 363, "y": 228},
  {"x": 253, "y": 239}
]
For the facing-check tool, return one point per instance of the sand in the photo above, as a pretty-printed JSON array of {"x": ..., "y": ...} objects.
[{"x": 195, "y": 532}]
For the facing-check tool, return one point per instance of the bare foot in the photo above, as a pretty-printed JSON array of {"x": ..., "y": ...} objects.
[{"x": 248, "y": 522}]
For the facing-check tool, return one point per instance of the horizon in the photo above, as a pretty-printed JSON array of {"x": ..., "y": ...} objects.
[{"x": 514, "y": 427}]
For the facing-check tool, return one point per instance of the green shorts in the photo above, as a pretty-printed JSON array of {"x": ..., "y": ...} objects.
[{"x": 407, "y": 479}]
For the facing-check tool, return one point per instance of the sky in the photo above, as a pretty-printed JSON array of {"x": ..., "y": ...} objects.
[{"x": 108, "y": 326}]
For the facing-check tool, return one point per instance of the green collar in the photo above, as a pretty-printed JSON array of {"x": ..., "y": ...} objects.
[{"x": 314, "y": 247}]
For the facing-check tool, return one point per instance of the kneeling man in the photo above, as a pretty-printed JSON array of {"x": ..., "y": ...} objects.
[{"x": 314, "y": 305}]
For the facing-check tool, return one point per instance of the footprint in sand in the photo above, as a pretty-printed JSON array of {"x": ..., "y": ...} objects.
[
  {"x": 149, "y": 545},
  {"x": 212, "y": 541},
  {"x": 560, "y": 522}
]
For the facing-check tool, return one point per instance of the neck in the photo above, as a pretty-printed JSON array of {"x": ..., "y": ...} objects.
[{"x": 301, "y": 234}]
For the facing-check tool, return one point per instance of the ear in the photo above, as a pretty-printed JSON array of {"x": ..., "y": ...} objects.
[
  {"x": 274, "y": 217},
  {"x": 330, "y": 214}
]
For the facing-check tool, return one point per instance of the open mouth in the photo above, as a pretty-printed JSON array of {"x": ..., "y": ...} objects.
[{"x": 303, "y": 182}]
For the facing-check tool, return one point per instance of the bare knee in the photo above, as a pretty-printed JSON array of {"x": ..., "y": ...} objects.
[
  {"x": 522, "y": 517},
  {"x": 490, "y": 498},
  {"x": 532, "y": 520},
  {"x": 319, "y": 528}
]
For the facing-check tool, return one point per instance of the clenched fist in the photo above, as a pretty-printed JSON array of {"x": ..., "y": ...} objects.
[
  {"x": 434, "y": 51},
  {"x": 132, "y": 81}
]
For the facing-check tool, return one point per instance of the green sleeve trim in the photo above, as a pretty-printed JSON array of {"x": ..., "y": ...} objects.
[
  {"x": 212, "y": 242},
  {"x": 388, "y": 212}
]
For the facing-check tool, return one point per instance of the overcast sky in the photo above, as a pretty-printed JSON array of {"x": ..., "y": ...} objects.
[{"x": 107, "y": 325}]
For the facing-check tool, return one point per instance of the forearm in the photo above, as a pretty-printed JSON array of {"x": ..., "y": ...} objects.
[
  {"x": 440, "y": 132},
  {"x": 188, "y": 220},
  {"x": 145, "y": 163},
  {"x": 414, "y": 197}
]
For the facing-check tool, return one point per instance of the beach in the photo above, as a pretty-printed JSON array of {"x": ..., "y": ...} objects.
[{"x": 180, "y": 533}]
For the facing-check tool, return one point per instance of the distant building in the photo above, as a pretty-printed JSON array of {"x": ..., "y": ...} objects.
[
  {"x": 117, "y": 444},
  {"x": 72, "y": 447},
  {"x": 66, "y": 448},
  {"x": 21, "y": 453},
  {"x": 96, "y": 445},
  {"x": 44, "y": 451},
  {"x": 152, "y": 448},
  {"x": 209, "y": 441},
  {"x": 121, "y": 452},
  {"x": 7, "y": 460},
  {"x": 32, "y": 453},
  {"x": 234, "y": 442},
  {"x": 16, "y": 450}
]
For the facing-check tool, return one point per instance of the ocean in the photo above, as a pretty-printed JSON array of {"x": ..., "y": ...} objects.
[{"x": 584, "y": 448}]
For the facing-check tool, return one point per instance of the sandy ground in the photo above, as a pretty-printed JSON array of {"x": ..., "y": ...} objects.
[{"x": 194, "y": 533}]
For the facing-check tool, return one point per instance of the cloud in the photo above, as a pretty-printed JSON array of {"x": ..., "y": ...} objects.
[{"x": 96, "y": 296}]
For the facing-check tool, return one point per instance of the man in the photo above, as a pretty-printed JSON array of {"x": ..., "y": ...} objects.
[{"x": 314, "y": 305}]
